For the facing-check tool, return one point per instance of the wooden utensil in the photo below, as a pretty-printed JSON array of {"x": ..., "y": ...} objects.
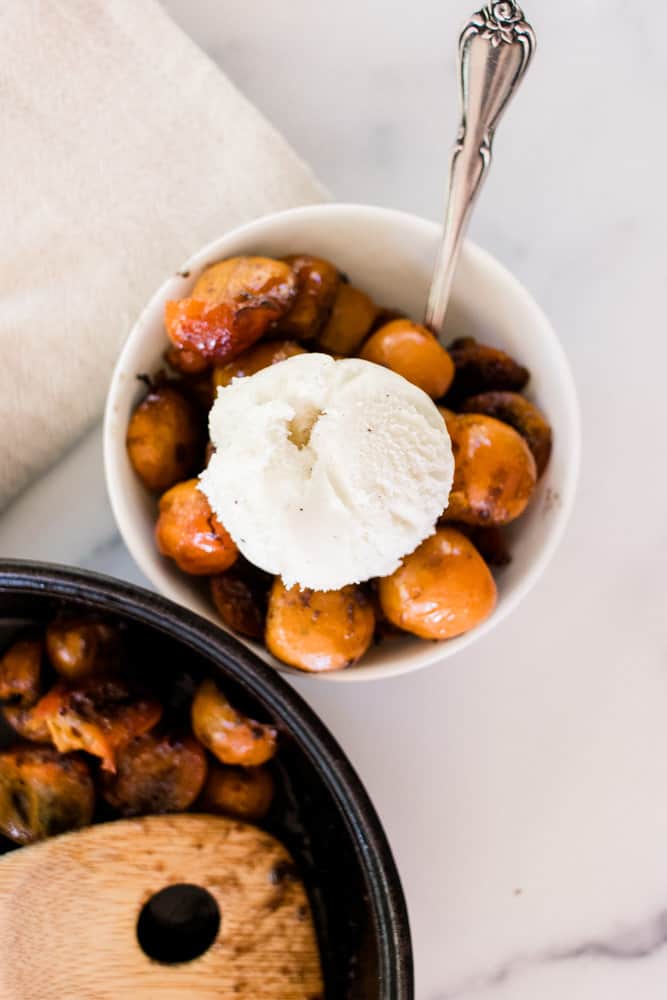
[{"x": 71, "y": 909}]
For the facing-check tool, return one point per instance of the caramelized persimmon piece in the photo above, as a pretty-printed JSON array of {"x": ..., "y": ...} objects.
[
  {"x": 317, "y": 282},
  {"x": 443, "y": 589},
  {"x": 98, "y": 716},
  {"x": 80, "y": 647},
  {"x": 156, "y": 774},
  {"x": 188, "y": 532},
  {"x": 230, "y": 736},
  {"x": 242, "y": 792},
  {"x": 21, "y": 672},
  {"x": 240, "y": 596},
  {"x": 494, "y": 472},
  {"x": 520, "y": 414},
  {"x": 25, "y": 725},
  {"x": 165, "y": 438},
  {"x": 480, "y": 368},
  {"x": 316, "y": 630},
  {"x": 231, "y": 306},
  {"x": 351, "y": 319},
  {"x": 269, "y": 352},
  {"x": 43, "y": 793},
  {"x": 248, "y": 283},
  {"x": 413, "y": 352}
]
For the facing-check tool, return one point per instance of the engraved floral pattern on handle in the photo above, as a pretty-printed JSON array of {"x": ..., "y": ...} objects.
[{"x": 500, "y": 22}]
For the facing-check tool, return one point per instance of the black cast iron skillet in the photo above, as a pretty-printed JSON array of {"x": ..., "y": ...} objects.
[{"x": 322, "y": 812}]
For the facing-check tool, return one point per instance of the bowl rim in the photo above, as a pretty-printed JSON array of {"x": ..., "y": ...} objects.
[
  {"x": 419, "y": 658},
  {"x": 374, "y": 855}
]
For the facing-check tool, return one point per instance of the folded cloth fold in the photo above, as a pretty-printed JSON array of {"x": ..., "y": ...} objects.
[{"x": 124, "y": 149}]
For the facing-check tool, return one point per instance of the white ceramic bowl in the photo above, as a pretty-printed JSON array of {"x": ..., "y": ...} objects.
[{"x": 388, "y": 254}]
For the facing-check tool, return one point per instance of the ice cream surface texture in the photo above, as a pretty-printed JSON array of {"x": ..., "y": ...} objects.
[{"x": 327, "y": 472}]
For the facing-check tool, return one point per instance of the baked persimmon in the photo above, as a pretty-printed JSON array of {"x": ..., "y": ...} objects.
[
  {"x": 413, "y": 352},
  {"x": 480, "y": 368},
  {"x": 494, "y": 472},
  {"x": 21, "y": 672},
  {"x": 232, "y": 305},
  {"x": 242, "y": 792},
  {"x": 165, "y": 438},
  {"x": 156, "y": 773},
  {"x": 519, "y": 413},
  {"x": 350, "y": 322},
  {"x": 98, "y": 716},
  {"x": 317, "y": 283},
  {"x": 43, "y": 793},
  {"x": 188, "y": 532},
  {"x": 230, "y": 736},
  {"x": 79, "y": 647},
  {"x": 240, "y": 596},
  {"x": 262, "y": 355},
  {"x": 443, "y": 589},
  {"x": 318, "y": 631}
]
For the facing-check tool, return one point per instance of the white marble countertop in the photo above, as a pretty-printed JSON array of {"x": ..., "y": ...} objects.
[{"x": 522, "y": 784}]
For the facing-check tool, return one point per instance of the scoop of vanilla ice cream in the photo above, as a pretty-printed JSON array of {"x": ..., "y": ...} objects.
[{"x": 327, "y": 472}]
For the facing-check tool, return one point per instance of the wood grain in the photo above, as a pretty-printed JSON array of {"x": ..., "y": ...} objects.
[{"x": 69, "y": 910}]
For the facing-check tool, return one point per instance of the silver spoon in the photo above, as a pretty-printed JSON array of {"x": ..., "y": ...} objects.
[{"x": 495, "y": 49}]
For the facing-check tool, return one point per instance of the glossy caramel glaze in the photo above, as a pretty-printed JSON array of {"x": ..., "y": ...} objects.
[
  {"x": 413, "y": 352},
  {"x": 164, "y": 438},
  {"x": 494, "y": 472},
  {"x": 187, "y": 532},
  {"x": 231, "y": 736},
  {"x": 317, "y": 630},
  {"x": 443, "y": 589},
  {"x": 231, "y": 306}
]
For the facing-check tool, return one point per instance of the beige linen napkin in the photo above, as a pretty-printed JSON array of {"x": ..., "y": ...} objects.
[{"x": 122, "y": 150}]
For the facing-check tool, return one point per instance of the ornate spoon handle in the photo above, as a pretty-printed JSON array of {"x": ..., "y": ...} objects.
[{"x": 495, "y": 49}]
